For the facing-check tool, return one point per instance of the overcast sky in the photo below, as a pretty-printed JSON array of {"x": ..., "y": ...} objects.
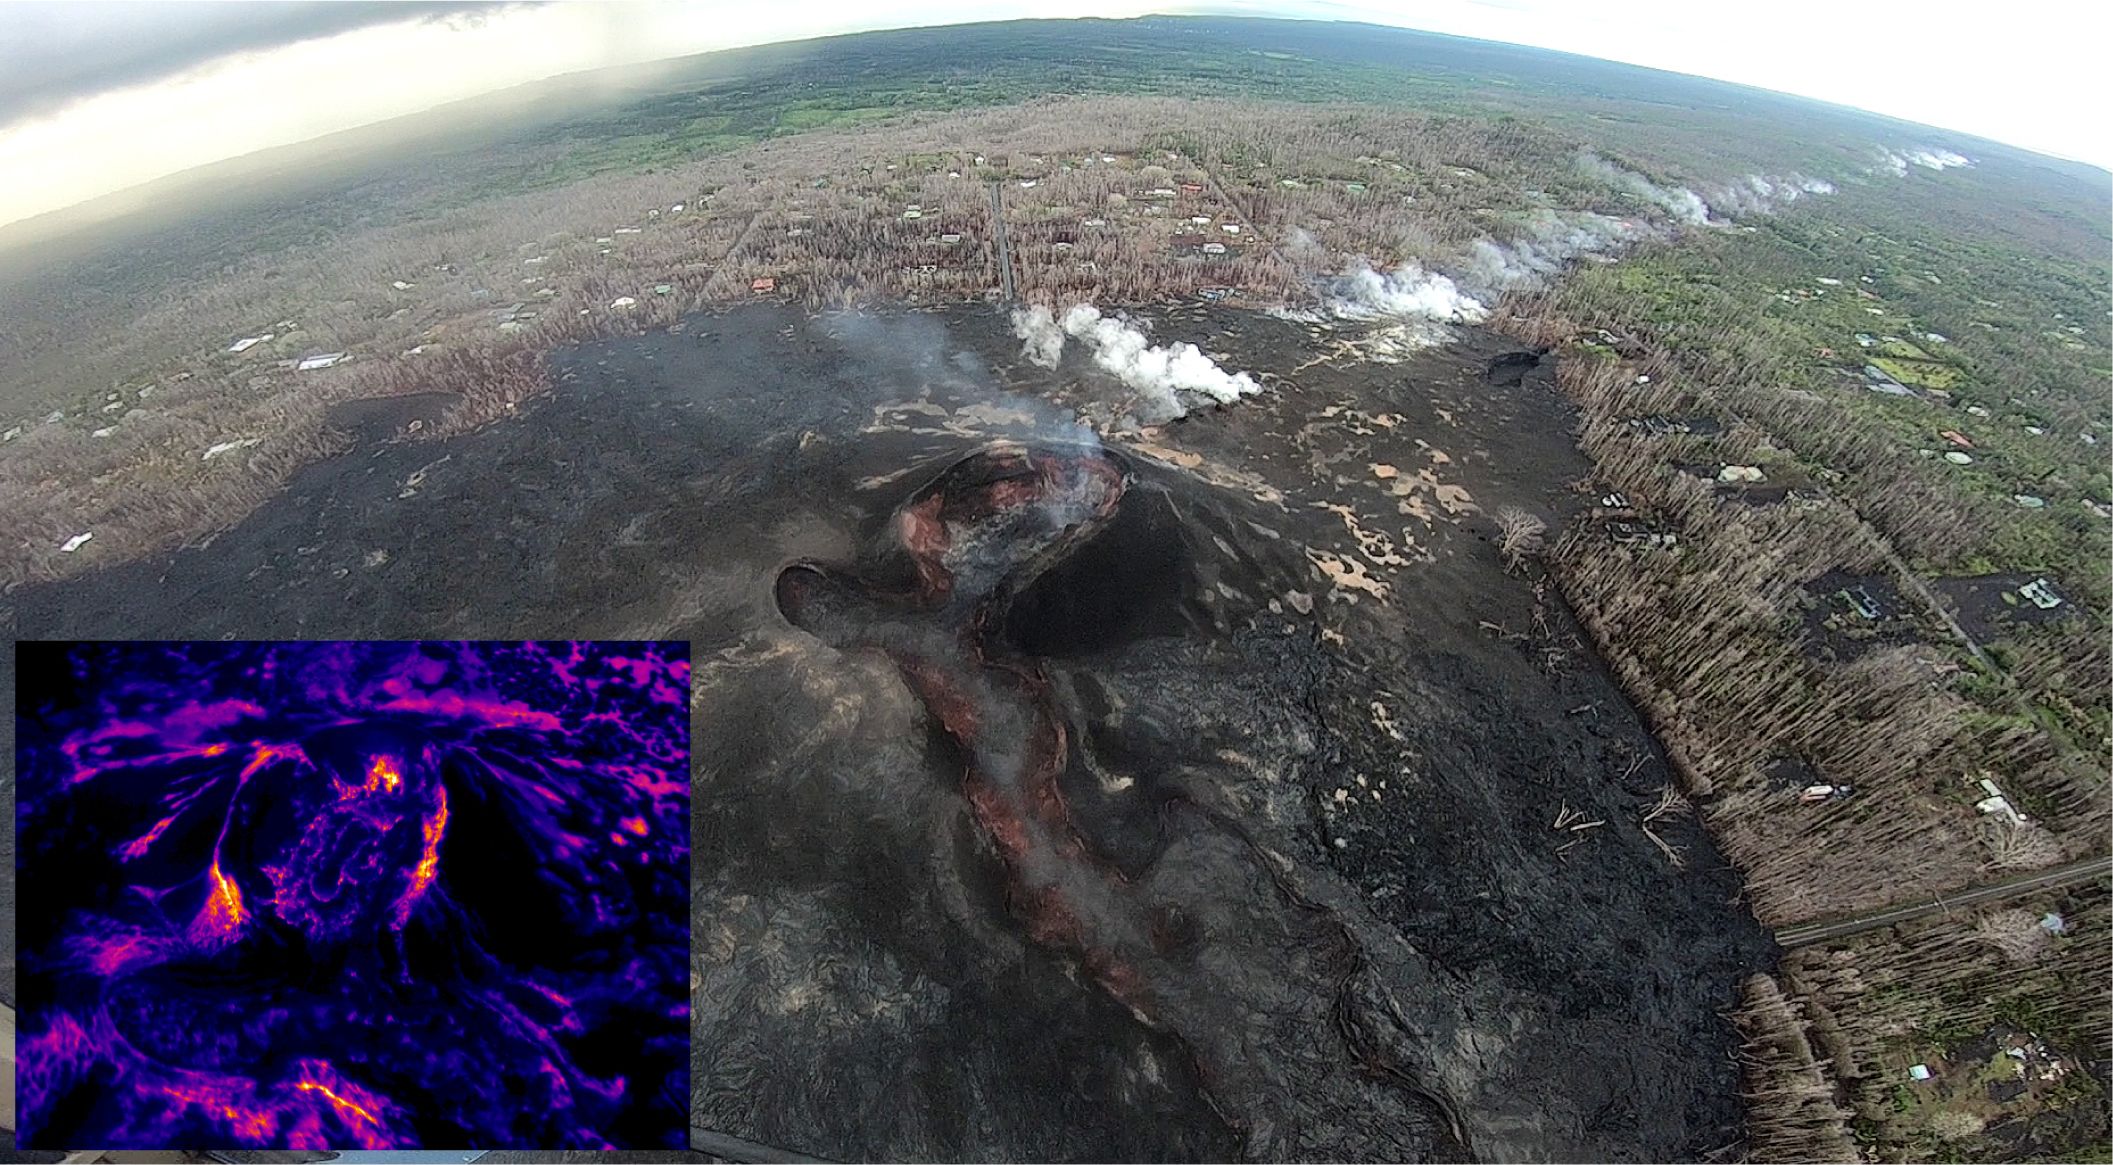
[{"x": 96, "y": 97}]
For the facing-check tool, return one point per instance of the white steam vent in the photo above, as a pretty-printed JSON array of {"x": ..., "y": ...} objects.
[{"x": 1166, "y": 378}]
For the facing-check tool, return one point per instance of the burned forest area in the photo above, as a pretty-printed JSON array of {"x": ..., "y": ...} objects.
[{"x": 1211, "y": 789}]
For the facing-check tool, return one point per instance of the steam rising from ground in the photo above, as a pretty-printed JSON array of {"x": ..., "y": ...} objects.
[
  {"x": 1407, "y": 291},
  {"x": 1550, "y": 241},
  {"x": 1412, "y": 303},
  {"x": 1898, "y": 161},
  {"x": 1683, "y": 204},
  {"x": 1753, "y": 194},
  {"x": 1757, "y": 194},
  {"x": 1167, "y": 378},
  {"x": 1419, "y": 298},
  {"x": 913, "y": 348},
  {"x": 1413, "y": 294}
]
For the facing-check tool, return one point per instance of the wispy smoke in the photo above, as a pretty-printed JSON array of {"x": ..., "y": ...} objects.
[
  {"x": 1042, "y": 336},
  {"x": 1300, "y": 243},
  {"x": 1754, "y": 194},
  {"x": 1406, "y": 310},
  {"x": 1683, "y": 204},
  {"x": 1898, "y": 161},
  {"x": 1758, "y": 194},
  {"x": 1551, "y": 240},
  {"x": 903, "y": 353},
  {"x": 1166, "y": 378},
  {"x": 1412, "y": 302},
  {"x": 1462, "y": 293}
]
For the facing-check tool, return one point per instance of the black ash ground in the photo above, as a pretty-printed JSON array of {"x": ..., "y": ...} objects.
[{"x": 1315, "y": 744}]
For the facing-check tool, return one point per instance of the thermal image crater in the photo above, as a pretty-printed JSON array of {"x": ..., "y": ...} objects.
[{"x": 344, "y": 895}]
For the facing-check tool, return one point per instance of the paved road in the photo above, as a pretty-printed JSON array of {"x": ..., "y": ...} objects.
[
  {"x": 997, "y": 223},
  {"x": 732, "y": 1148},
  {"x": 1806, "y": 934}
]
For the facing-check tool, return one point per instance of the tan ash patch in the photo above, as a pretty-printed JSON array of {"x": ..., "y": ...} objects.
[
  {"x": 894, "y": 415},
  {"x": 799, "y": 997},
  {"x": 1168, "y": 454},
  {"x": 1348, "y": 574},
  {"x": 990, "y": 414},
  {"x": 752, "y": 652},
  {"x": 1210, "y": 471},
  {"x": 880, "y": 479},
  {"x": 1413, "y": 492},
  {"x": 1373, "y": 544}
]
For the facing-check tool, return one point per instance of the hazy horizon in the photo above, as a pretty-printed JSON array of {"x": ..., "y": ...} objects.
[{"x": 107, "y": 97}]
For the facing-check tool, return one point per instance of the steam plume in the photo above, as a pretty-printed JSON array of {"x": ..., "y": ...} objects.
[
  {"x": 1683, "y": 204},
  {"x": 1898, "y": 161},
  {"x": 1166, "y": 378},
  {"x": 1550, "y": 241},
  {"x": 1758, "y": 194},
  {"x": 1409, "y": 291}
]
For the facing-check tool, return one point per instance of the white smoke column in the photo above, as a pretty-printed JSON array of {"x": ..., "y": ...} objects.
[
  {"x": 1678, "y": 201},
  {"x": 1161, "y": 375},
  {"x": 1409, "y": 291},
  {"x": 1038, "y": 331},
  {"x": 1157, "y": 373},
  {"x": 1301, "y": 247}
]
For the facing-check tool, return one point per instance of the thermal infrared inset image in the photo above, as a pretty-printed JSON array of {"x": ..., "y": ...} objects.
[{"x": 353, "y": 895}]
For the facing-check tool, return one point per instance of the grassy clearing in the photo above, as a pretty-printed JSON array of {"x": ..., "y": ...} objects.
[{"x": 1918, "y": 373}]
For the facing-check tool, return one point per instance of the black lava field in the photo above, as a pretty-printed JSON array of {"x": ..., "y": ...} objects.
[{"x": 1059, "y": 792}]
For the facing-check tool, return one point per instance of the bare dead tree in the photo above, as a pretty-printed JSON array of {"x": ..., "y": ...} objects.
[
  {"x": 2013, "y": 846},
  {"x": 1519, "y": 534},
  {"x": 1669, "y": 802},
  {"x": 2016, "y": 933}
]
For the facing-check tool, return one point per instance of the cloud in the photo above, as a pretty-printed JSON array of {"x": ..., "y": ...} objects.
[{"x": 53, "y": 54}]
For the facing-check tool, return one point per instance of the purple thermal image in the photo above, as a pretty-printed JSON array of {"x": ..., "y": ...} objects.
[{"x": 354, "y": 895}]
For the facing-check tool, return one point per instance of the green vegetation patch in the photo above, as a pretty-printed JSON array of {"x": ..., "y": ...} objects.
[{"x": 1918, "y": 373}]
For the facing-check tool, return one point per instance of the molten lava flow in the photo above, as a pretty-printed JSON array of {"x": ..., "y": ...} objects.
[
  {"x": 137, "y": 847},
  {"x": 357, "y": 1109},
  {"x": 220, "y": 920},
  {"x": 428, "y": 860},
  {"x": 980, "y": 532},
  {"x": 267, "y": 753},
  {"x": 384, "y": 775}
]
